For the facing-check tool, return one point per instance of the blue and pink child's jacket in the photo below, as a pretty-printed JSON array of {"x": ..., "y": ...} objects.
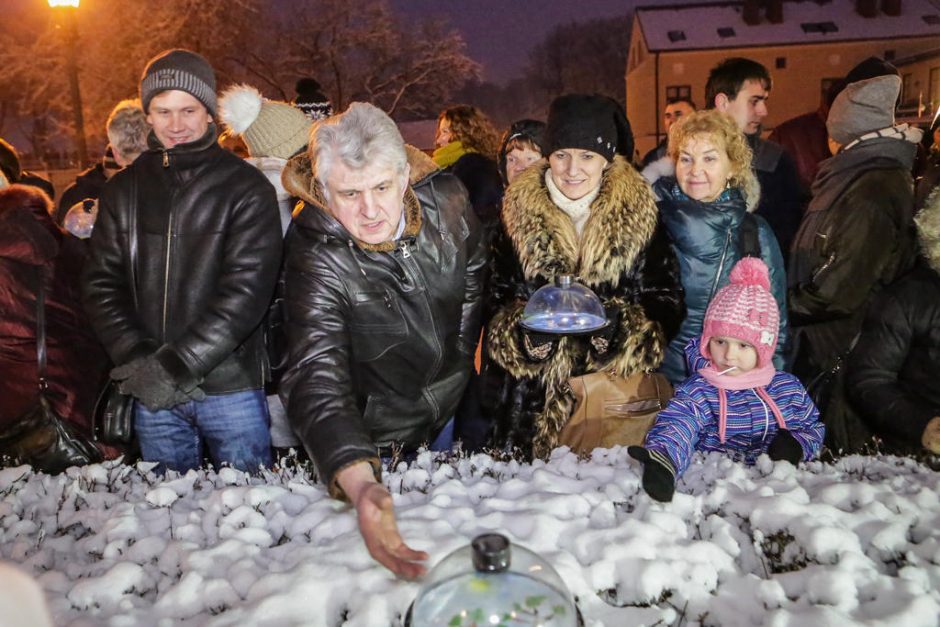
[{"x": 689, "y": 422}]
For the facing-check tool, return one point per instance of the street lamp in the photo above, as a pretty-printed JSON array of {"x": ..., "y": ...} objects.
[{"x": 71, "y": 39}]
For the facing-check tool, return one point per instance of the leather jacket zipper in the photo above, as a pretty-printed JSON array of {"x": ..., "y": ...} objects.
[
  {"x": 166, "y": 272},
  {"x": 403, "y": 246},
  {"x": 166, "y": 159},
  {"x": 829, "y": 261}
]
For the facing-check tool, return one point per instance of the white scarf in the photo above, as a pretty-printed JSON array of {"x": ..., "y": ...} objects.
[{"x": 578, "y": 210}]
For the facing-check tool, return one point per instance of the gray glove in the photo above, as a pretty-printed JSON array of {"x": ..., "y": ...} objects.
[{"x": 149, "y": 382}]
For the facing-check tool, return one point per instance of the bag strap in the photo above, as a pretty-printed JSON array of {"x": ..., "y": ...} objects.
[
  {"x": 749, "y": 237},
  {"x": 41, "y": 330}
]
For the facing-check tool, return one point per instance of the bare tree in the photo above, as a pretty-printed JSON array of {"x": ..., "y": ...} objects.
[
  {"x": 585, "y": 57},
  {"x": 356, "y": 48}
]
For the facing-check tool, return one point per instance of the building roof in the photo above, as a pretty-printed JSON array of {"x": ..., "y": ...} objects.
[{"x": 721, "y": 25}]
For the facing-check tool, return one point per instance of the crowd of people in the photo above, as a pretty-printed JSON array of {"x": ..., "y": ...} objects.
[{"x": 791, "y": 296}]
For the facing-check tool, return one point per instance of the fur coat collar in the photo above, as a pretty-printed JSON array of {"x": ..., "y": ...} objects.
[
  {"x": 622, "y": 221},
  {"x": 298, "y": 181},
  {"x": 928, "y": 229}
]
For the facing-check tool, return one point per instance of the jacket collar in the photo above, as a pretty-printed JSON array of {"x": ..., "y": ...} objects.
[
  {"x": 183, "y": 154},
  {"x": 928, "y": 229},
  {"x": 622, "y": 221},
  {"x": 299, "y": 182}
]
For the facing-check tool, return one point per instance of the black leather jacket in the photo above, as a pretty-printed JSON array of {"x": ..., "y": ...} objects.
[
  {"x": 209, "y": 248},
  {"x": 381, "y": 337}
]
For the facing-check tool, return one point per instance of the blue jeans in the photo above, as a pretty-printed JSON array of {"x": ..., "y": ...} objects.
[{"x": 235, "y": 428}]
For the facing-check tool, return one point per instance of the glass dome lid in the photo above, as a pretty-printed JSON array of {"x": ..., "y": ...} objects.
[
  {"x": 493, "y": 583},
  {"x": 565, "y": 308}
]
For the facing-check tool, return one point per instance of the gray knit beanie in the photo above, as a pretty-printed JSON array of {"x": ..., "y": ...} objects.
[
  {"x": 182, "y": 70},
  {"x": 862, "y": 107}
]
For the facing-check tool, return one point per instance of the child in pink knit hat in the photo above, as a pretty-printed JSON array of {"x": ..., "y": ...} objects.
[{"x": 736, "y": 403}]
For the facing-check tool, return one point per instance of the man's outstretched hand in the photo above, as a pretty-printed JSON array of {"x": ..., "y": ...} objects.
[
  {"x": 377, "y": 524},
  {"x": 380, "y": 532}
]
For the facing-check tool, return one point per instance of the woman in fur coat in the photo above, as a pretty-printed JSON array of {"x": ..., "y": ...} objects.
[{"x": 584, "y": 211}]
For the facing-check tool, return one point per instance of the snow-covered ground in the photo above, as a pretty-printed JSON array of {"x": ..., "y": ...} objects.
[{"x": 854, "y": 543}]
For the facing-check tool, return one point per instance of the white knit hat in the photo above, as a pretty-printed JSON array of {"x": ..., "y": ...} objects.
[{"x": 269, "y": 127}]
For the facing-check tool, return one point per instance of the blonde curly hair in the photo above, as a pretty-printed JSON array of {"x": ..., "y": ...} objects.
[
  {"x": 472, "y": 128},
  {"x": 720, "y": 130}
]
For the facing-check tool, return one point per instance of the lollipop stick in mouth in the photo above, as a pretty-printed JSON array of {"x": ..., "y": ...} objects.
[{"x": 727, "y": 370}]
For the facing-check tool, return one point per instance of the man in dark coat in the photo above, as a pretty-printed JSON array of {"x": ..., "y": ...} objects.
[
  {"x": 740, "y": 87},
  {"x": 856, "y": 238},
  {"x": 183, "y": 262},
  {"x": 384, "y": 278}
]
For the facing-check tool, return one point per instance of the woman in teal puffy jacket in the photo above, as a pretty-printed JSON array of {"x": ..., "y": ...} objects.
[{"x": 705, "y": 204}]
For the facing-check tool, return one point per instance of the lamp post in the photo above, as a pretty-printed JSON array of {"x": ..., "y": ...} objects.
[{"x": 68, "y": 8}]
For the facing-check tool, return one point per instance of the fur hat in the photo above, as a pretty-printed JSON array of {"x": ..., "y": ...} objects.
[
  {"x": 588, "y": 122},
  {"x": 269, "y": 128},
  {"x": 863, "y": 106},
  {"x": 745, "y": 310},
  {"x": 179, "y": 69}
]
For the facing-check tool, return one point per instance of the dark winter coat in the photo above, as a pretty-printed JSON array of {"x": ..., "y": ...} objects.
[
  {"x": 623, "y": 255},
  {"x": 782, "y": 196},
  {"x": 892, "y": 374},
  {"x": 209, "y": 252},
  {"x": 707, "y": 240},
  {"x": 856, "y": 238},
  {"x": 480, "y": 175},
  {"x": 381, "y": 337},
  {"x": 88, "y": 184},
  {"x": 30, "y": 246}
]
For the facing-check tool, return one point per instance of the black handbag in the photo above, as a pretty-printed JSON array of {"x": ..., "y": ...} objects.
[
  {"x": 114, "y": 416},
  {"x": 114, "y": 412},
  {"x": 41, "y": 437}
]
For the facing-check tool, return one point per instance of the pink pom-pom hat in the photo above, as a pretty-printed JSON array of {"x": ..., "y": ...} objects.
[{"x": 745, "y": 310}]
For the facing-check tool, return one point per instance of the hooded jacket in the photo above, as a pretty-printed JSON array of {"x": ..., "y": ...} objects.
[
  {"x": 32, "y": 247},
  {"x": 209, "y": 249},
  {"x": 623, "y": 254},
  {"x": 892, "y": 375},
  {"x": 690, "y": 421},
  {"x": 707, "y": 239},
  {"x": 381, "y": 336}
]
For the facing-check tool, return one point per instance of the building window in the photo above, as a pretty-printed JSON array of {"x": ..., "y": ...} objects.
[
  {"x": 819, "y": 27},
  {"x": 907, "y": 89},
  {"x": 781, "y": 63},
  {"x": 933, "y": 19},
  {"x": 890, "y": 54},
  {"x": 676, "y": 35},
  {"x": 726, "y": 31},
  {"x": 674, "y": 92}
]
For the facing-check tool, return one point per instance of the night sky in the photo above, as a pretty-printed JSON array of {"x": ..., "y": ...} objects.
[{"x": 500, "y": 33}]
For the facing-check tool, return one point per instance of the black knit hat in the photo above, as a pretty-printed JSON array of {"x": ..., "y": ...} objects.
[
  {"x": 182, "y": 70},
  {"x": 311, "y": 100},
  {"x": 588, "y": 122},
  {"x": 532, "y": 130}
]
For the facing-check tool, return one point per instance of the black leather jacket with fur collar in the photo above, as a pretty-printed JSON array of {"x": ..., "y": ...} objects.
[
  {"x": 381, "y": 337},
  {"x": 209, "y": 249}
]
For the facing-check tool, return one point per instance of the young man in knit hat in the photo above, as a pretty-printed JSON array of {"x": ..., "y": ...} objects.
[
  {"x": 856, "y": 237},
  {"x": 184, "y": 258}
]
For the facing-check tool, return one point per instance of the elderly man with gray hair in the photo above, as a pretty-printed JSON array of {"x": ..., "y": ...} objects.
[
  {"x": 384, "y": 276},
  {"x": 127, "y": 130}
]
